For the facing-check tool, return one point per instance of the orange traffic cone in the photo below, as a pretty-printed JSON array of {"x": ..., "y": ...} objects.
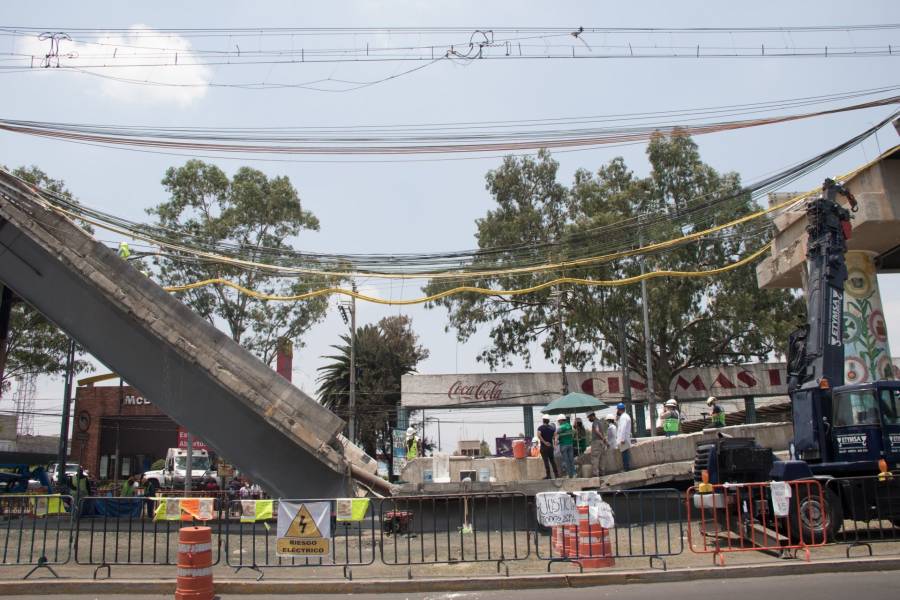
[{"x": 195, "y": 580}]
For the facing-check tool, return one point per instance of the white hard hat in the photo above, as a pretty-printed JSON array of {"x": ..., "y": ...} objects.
[
  {"x": 610, "y": 417},
  {"x": 545, "y": 417},
  {"x": 411, "y": 431},
  {"x": 671, "y": 402},
  {"x": 711, "y": 400},
  {"x": 562, "y": 418}
]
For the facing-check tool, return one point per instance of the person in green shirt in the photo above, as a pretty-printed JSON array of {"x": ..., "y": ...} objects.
[
  {"x": 581, "y": 437},
  {"x": 565, "y": 439},
  {"x": 127, "y": 489}
]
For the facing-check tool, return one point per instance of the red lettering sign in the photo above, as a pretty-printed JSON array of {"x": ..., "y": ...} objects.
[
  {"x": 486, "y": 390},
  {"x": 182, "y": 441}
]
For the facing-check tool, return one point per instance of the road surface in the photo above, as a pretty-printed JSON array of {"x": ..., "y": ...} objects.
[{"x": 883, "y": 585}]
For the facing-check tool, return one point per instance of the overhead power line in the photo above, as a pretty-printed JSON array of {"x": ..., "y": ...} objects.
[{"x": 316, "y": 142}]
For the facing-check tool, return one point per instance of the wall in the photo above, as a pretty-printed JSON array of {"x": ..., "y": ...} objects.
[{"x": 646, "y": 452}]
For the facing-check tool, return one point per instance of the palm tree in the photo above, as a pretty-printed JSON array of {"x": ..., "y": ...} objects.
[{"x": 384, "y": 353}]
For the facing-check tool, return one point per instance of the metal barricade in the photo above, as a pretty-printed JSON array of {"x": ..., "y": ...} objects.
[
  {"x": 647, "y": 524},
  {"x": 36, "y": 530},
  {"x": 252, "y": 543},
  {"x": 112, "y": 531},
  {"x": 866, "y": 510},
  {"x": 457, "y": 528},
  {"x": 741, "y": 517}
]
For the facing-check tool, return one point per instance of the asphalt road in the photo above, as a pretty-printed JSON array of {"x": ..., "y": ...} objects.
[{"x": 884, "y": 585}]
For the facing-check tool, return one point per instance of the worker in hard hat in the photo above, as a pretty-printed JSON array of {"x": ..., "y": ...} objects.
[
  {"x": 565, "y": 439},
  {"x": 546, "y": 433},
  {"x": 717, "y": 413},
  {"x": 412, "y": 443},
  {"x": 599, "y": 444},
  {"x": 623, "y": 435},
  {"x": 670, "y": 418}
]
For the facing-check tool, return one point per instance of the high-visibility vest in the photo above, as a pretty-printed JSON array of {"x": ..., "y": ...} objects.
[
  {"x": 124, "y": 250},
  {"x": 718, "y": 418},
  {"x": 412, "y": 450},
  {"x": 671, "y": 424}
]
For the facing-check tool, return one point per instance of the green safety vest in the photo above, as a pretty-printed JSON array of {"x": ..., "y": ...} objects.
[
  {"x": 412, "y": 450},
  {"x": 718, "y": 418},
  {"x": 671, "y": 425},
  {"x": 124, "y": 250}
]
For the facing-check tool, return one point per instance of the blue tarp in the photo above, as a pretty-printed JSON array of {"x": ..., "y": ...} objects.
[{"x": 112, "y": 507}]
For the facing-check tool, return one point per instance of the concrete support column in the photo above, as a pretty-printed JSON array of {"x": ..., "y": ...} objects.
[
  {"x": 749, "y": 409},
  {"x": 867, "y": 356},
  {"x": 528, "y": 414}
]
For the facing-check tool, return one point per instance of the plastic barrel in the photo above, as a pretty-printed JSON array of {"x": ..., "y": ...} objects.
[{"x": 194, "y": 579}]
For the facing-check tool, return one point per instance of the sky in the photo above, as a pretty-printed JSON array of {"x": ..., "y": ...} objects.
[{"x": 425, "y": 206}]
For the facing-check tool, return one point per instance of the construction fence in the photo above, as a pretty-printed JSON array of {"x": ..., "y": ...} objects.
[{"x": 393, "y": 537}]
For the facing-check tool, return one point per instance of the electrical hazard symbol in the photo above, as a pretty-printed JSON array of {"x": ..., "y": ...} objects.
[
  {"x": 303, "y": 525},
  {"x": 304, "y": 529}
]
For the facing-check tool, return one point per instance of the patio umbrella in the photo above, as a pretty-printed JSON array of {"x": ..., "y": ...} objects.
[{"x": 573, "y": 402}]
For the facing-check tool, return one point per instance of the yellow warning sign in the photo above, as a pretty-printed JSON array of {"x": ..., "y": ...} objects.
[
  {"x": 302, "y": 525},
  {"x": 304, "y": 528},
  {"x": 304, "y": 546}
]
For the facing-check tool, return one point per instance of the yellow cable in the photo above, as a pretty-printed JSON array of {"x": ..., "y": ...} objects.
[
  {"x": 293, "y": 271},
  {"x": 469, "y": 289}
]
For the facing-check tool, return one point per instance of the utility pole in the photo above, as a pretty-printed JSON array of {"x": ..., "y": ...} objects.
[
  {"x": 189, "y": 465},
  {"x": 638, "y": 415},
  {"x": 62, "y": 450},
  {"x": 651, "y": 397},
  {"x": 352, "y": 399},
  {"x": 562, "y": 340}
]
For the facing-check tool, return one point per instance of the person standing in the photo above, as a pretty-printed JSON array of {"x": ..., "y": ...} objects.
[
  {"x": 671, "y": 418},
  {"x": 565, "y": 439},
  {"x": 412, "y": 444},
  {"x": 151, "y": 486},
  {"x": 599, "y": 444},
  {"x": 127, "y": 489},
  {"x": 581, "y": 437},
  {"x": 545, "y": 436},
  {"x": 717, "y": 414},
  {"x": 623, "y": 435}
]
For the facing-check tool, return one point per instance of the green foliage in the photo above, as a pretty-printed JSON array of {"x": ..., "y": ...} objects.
[
  {"x": 255, "y": 213},
  {"x": 693, "y": 322},
  {"x": 36, "y": 346},
  {"x": 384, "y": 353}
]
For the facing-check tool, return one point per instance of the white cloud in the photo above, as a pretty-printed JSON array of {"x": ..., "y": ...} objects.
[{"x": 142, "y": 66}]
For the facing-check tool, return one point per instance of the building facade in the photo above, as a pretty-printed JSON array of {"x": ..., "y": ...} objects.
[{"x": 116, "y": 432}]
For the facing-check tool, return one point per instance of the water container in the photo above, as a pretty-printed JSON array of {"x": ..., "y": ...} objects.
[
  {"x": 484, "y": 474},
  {"x": 518, "y": 447}
]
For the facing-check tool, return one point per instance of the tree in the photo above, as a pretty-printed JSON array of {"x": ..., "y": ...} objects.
[
  {"x": 384, "y": 353},
  {"x": 693, "y": 321},
  {"x": 533, "y": 210},
  {"x": 256, "y": 214},
  {"x": 34, "y": 345}
]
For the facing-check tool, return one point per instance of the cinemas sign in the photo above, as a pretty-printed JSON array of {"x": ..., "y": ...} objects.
[{"x": 536, "y": 389}]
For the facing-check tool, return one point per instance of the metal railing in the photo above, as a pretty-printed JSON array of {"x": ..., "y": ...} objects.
[
  {"x": 458, "y": 528},
  {"x": 742, "y": 517},
  {"x": 647, "y": 524},
  {"x": 252, "y": 543},
  {"x": 35, "y": 530},
  {"x": 866, "y": 510},
  {"x": 113, "y": 531}
]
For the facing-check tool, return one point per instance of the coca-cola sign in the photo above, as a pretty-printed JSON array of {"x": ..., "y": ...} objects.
[{"x": 486, "y": 390}]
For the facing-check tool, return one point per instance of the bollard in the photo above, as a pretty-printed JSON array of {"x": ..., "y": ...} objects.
[{"x": 195, "y": 580}]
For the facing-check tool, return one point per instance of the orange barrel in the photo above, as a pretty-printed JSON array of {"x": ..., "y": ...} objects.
[
  {"x": 518, "y": 447},
  {"x": 194, "y": 580}
]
